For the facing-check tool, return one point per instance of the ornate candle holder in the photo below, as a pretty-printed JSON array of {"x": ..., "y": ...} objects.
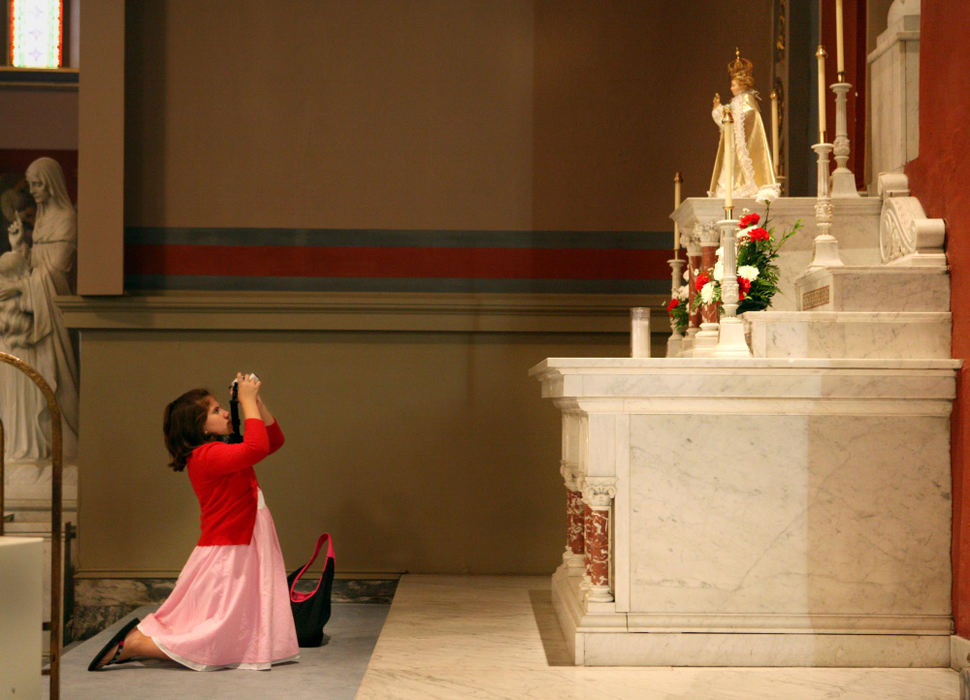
[
  {"x": 675, "y": 342},
  {"x": 826, "y": 245},
  {"x": 730, "y": 342},
  {"x": 843, "y": 181}
]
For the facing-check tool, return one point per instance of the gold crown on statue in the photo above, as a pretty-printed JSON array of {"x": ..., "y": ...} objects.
[{"x": 741, "y": 69}]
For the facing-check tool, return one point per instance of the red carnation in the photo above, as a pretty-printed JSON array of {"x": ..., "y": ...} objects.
[
  {"x": 749, "y": 219},
  {"x": 701, "y": 279},
  {"x": 673, "y": 304},
  {"x": 759, "y": 234},
  {"x": 744, "y": 286}
]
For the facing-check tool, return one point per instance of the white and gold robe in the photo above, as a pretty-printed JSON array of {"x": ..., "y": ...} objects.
[{"x": 753, "y": 169}]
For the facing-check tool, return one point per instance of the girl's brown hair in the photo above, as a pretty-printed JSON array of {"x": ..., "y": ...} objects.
[{"x": 184, "y": 424}]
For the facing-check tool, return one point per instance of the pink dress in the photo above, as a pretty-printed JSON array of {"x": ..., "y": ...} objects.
[{"x": 230, "y": 607}]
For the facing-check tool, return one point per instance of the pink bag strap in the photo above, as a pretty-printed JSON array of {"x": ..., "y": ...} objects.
[{"x": 299, "y": 596}]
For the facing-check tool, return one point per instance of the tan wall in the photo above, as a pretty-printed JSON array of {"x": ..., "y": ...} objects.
[
  {"x": 623, "y": 101},
  {"x": 380, "y": 113},
  {"x": 32, "y": 118},
  {"x": 419, "y": 450},
  {"x": 560, "y": 114}
]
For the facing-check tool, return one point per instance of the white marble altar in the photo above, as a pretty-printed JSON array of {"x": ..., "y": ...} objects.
[
  {"x": 20, "y": 613},
  {"x": 765, "y": 512}
]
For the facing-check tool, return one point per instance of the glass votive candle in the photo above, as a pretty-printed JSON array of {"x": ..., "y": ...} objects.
[{"x": 639, "y": 331}]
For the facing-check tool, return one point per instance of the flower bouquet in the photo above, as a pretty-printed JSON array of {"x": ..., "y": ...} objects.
[
  {"x": 678, "y": 311},
  {"x": 757, "y": 250}
]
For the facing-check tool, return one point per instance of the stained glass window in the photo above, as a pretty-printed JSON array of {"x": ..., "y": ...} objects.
[{"x": 36, "y": 33}]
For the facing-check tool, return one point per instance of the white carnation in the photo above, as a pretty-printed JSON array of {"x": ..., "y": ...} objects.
[
  {"x": 748, "y": 272},
  {"x": 767, "y": 194},
  {"x": 682, "y": 292},
  {"x": 686, "y": 274},
  {"x": 718, "y": 270},
  {"x": 707, "y": 292}
]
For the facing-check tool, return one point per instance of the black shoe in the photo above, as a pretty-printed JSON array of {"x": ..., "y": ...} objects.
[{"x": 116, "y": 641}]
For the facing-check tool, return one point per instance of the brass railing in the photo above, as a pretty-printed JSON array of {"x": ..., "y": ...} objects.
[{"x": 57, "y": 469}]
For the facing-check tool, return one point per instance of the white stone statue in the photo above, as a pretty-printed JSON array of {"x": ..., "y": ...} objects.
[{"x": 36, "y": 325}]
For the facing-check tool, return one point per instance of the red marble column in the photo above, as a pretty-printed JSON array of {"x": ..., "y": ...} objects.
[
  {"x": 709, "y": 312},
  {"x": 598, "y": 546},
  {"x": 693, "y": 263},
  {"x": 598, "y": 495},
  {"x": 575, "y": 522}
]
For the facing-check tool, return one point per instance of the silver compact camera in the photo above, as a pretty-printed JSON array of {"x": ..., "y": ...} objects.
[{"x": 234, "y": 387}]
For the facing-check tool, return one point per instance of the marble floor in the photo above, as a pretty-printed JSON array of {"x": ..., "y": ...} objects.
[
  {"x": 333, "y": 671},
  {"x": 475, "y": 637},
  {"x": 497, "y": 637}
]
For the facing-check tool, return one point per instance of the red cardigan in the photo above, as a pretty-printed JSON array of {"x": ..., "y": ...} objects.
[{"x": 225, "y": 482}]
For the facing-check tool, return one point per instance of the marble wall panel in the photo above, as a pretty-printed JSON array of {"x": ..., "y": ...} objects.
[{"x": 790, "y": 514}]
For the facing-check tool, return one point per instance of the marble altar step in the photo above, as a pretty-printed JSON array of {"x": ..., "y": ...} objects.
[
  {"x": 849, "y": 334},
  {"x": 855, "y": 222},
  {"x": 880, "y": 288}
]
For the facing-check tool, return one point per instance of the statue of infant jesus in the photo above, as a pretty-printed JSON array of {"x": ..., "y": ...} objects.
[{"x": 753, "y": 170}]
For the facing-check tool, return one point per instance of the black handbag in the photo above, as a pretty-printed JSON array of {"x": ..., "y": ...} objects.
[{"x": 311, "y": 609}]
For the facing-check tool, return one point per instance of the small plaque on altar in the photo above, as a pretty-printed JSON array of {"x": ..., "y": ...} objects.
[{"x": 815, "y": 298}]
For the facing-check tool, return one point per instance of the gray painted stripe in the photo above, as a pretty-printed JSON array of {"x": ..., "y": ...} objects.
[
  {"x": 387, "y": 238},
  {"x": 394, "y": 284},
  {"x": 39, "y": 76}
]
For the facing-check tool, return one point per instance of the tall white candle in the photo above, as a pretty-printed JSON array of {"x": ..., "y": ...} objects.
[
  {"x": 726, "y": 125},
  {"x": 839, "y": 45},
  {"x": 677, "y": 181},
  {"x": 774, "y": 130},
  {"x": 820, "y": 54}
]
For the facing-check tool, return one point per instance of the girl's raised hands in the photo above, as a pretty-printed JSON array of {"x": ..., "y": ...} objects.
[{"x": 248, "y": 386}]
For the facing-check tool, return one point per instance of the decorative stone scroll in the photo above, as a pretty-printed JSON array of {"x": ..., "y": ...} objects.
[{"x": 906, "y": 236}]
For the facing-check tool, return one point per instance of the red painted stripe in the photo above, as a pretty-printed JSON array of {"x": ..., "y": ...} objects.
[{"x": 342, "y": 261}]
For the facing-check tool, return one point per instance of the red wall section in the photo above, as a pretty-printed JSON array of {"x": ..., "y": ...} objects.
[{"x": 940, "y": 177}]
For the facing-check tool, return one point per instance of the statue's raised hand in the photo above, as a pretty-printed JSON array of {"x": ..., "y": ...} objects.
[
  {"x": 717, "y": 99},
  {"x": 15, "y": 232}
]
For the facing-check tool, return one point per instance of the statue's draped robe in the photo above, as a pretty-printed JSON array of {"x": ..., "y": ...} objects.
[
  {"x": 753, "y": 170},
  {"x": 22, "y": 406},
  {"x": 52, "y": 273}
]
